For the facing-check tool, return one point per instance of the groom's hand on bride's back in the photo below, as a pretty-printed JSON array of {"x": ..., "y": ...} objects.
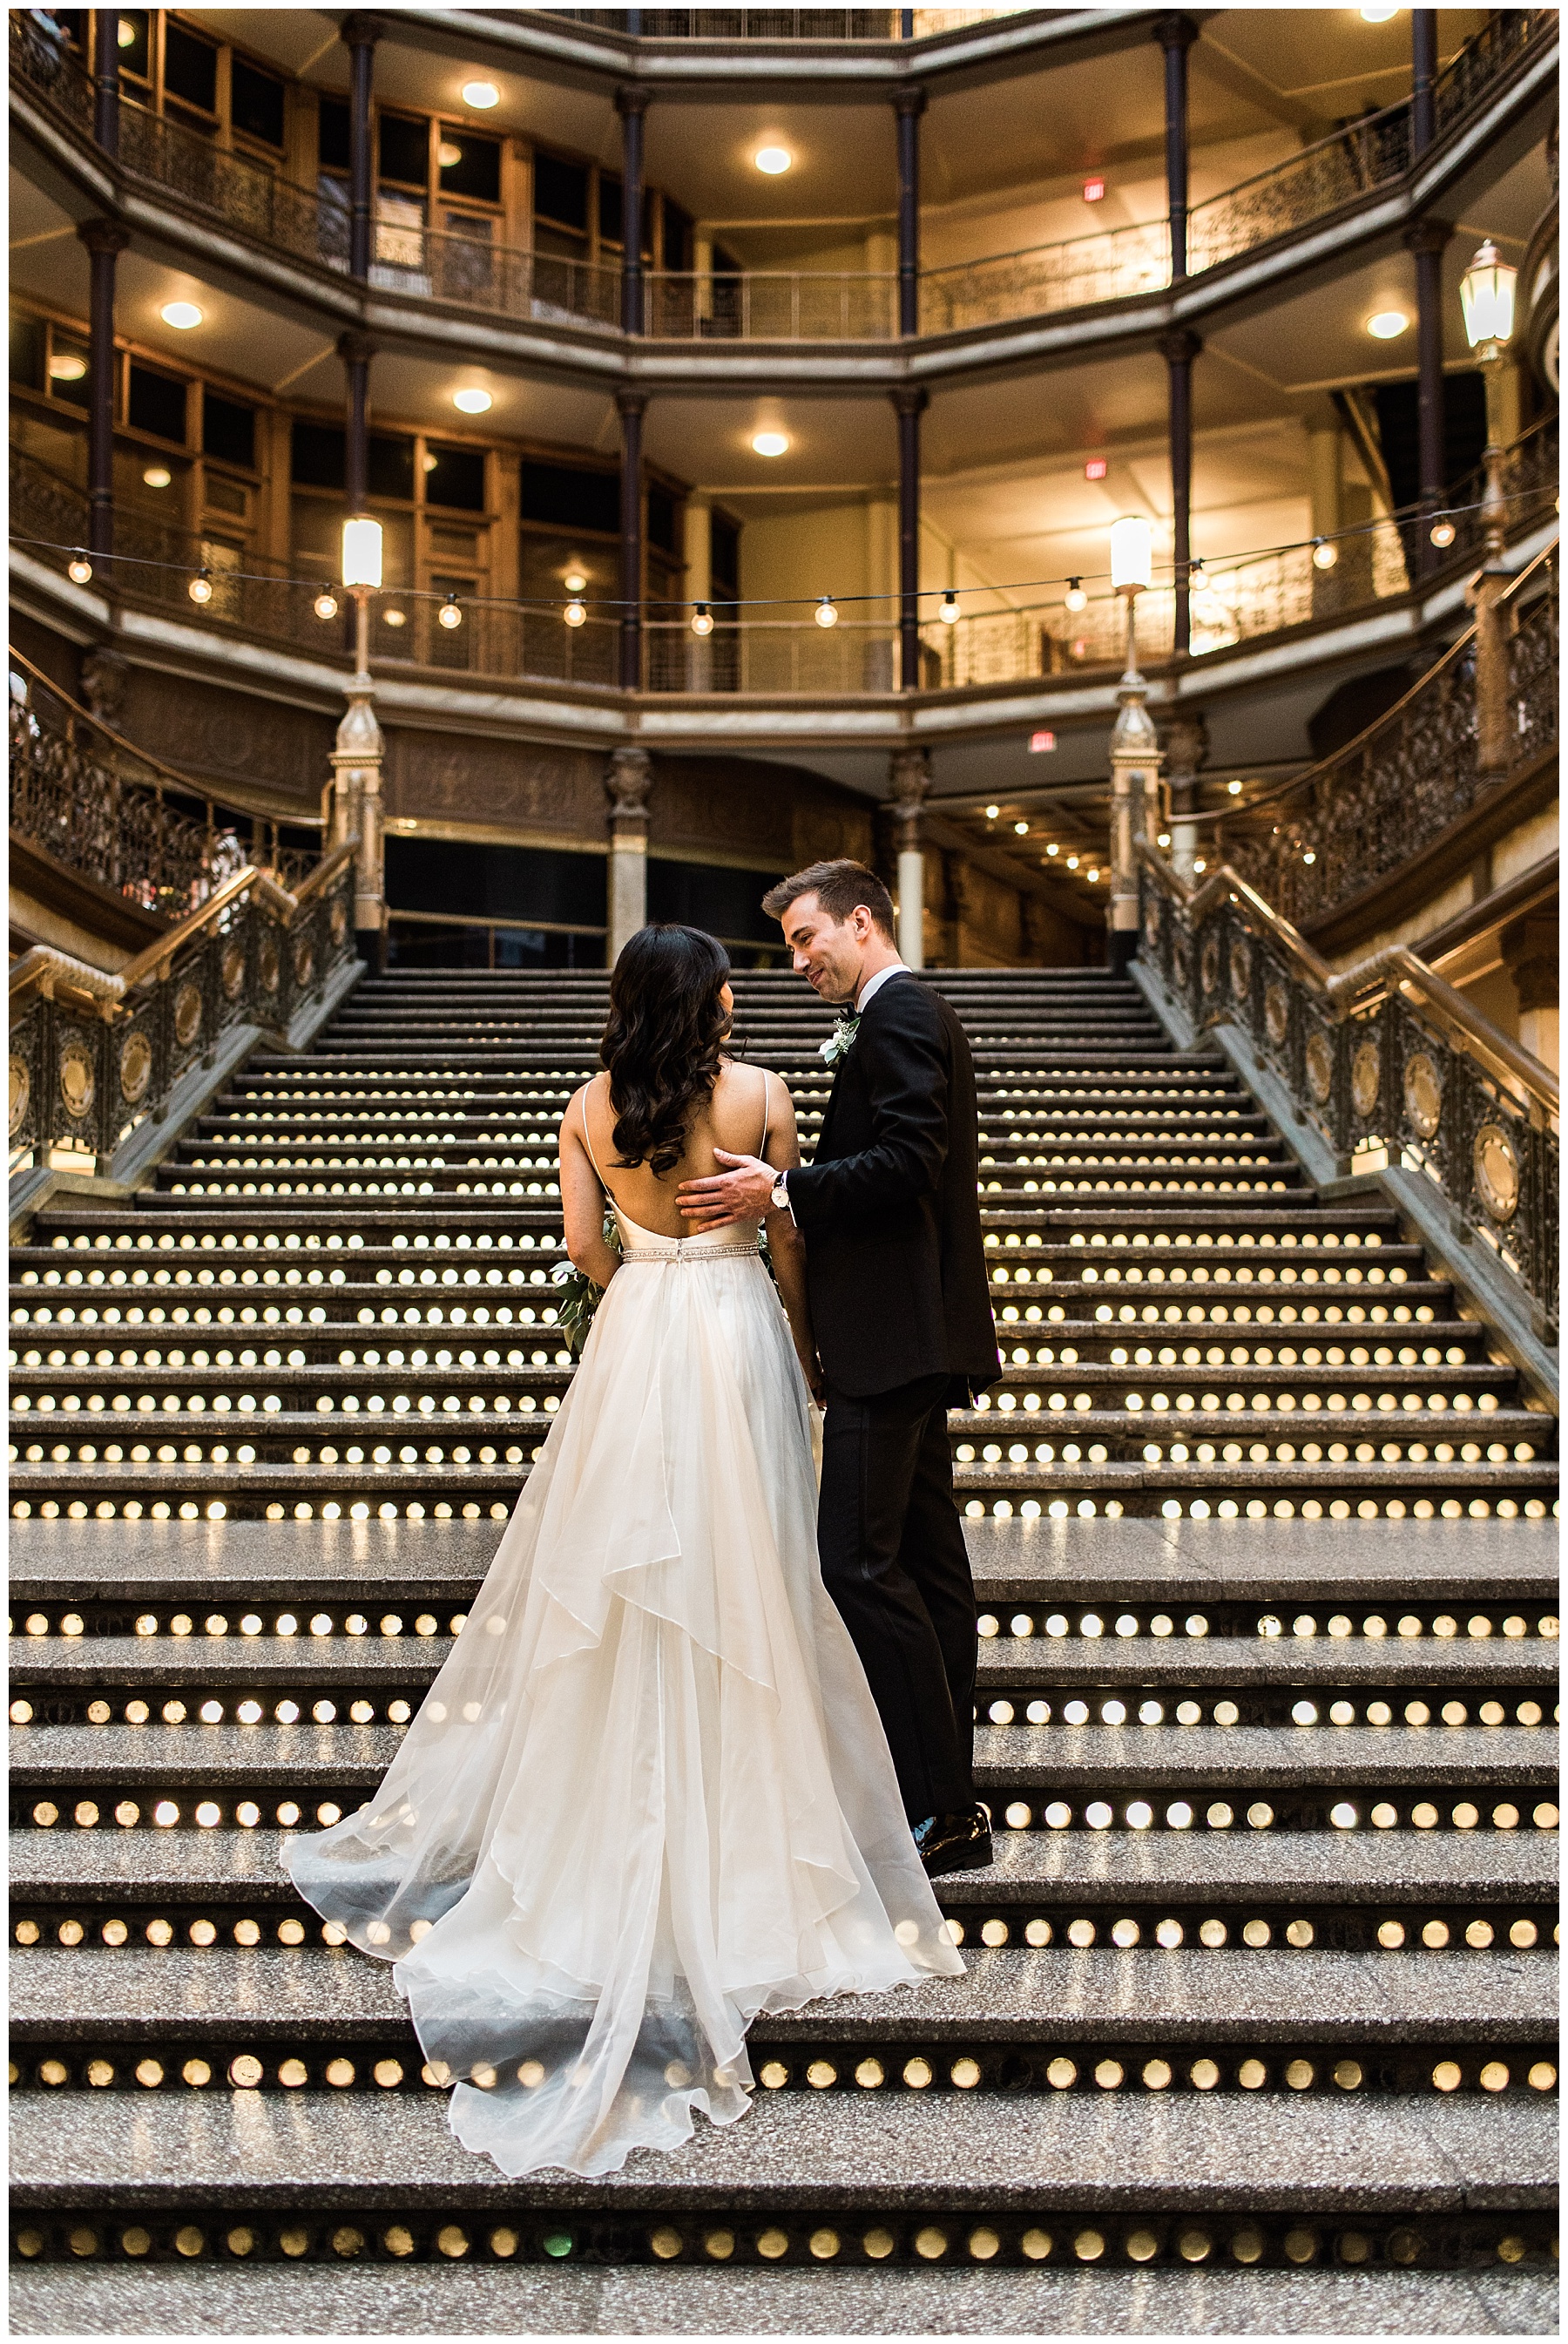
[{"x": 741, "y": 1194}]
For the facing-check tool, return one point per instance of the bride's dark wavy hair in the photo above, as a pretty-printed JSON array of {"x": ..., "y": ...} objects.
[{"x": 664, "y": 1041}]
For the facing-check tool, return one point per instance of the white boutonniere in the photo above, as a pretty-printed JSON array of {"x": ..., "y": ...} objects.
[{"x": 840, "y": 1041}]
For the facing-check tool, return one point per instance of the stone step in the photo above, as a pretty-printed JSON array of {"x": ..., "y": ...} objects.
[
  {"x": 1252, "y": 1565},
  {"x": 1190, "y": 1995},
  {"x": 1114, "y": 1870},
  {"x": 869, "y": 2175},
  {"x": 173, "y": 2297}
]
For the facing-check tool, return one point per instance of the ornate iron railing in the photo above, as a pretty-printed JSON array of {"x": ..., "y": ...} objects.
[
  {"x": 1396, "y": 788},
  {"x": 93, "y": 1057},
  {"x": 1387, "y": 1063},
  {"x": 102, "y": 807},
  {"x": 312, "y": 226}
]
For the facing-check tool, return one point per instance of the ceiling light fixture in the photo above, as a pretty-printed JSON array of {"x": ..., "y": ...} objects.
[
  {"x": 472, "y": 403},
  {"x": 991, "y": 813},
  {"x": 1387, "y": 325},
  {"x": 67, "y": 366},
  {"x": 448, "y": 153},
  {"x": 1234, "y": 788},
  {"x": 325, "y": 605},
  {"x": 1378, "y": 15},
  {"x": 481, "y": 95},
  {"x": 1054, "y": 850},
  {"x": 1021, "y": 829},
  {"x": 362, "y": 552},
  {"x": 127, "y": 36},
  {"x": 770, "y": 443},
  {"x": 157, "y": 475},
  {"x": 395, "y": 618},
  {"x": 576, "y": 579},
  {"x": 181, "y": 315},
  {"x": 773, "y": 160}
]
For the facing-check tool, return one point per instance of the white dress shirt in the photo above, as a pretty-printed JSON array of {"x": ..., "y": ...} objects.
[{"x": 872, "y": 983}]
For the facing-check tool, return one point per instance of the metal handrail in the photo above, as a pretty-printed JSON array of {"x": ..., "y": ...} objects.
[
  {"x": 42, "y": 963},
  {"x": 1394, "y": 968}
]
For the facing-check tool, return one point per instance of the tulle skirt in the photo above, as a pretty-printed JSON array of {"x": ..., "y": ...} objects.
[{"x": 649, "y": 1795}]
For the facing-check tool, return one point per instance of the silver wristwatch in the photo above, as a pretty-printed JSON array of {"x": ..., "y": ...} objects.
[{"x": 779, "y": 1196}]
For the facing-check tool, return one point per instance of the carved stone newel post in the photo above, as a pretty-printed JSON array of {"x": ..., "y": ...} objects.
[
  {"x": 1135, "y": 763},
  {"x": 627, "y": 780},
  {"x": 911, "y": 778}
]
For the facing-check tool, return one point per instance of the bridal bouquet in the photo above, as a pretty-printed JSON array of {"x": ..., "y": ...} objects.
[{"x": 580, "y": 1297}]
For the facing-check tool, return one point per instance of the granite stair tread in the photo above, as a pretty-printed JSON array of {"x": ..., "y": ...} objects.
[
  {"x": 1140, "y": 1868},
  {"x": 256, "y": 2151},
  {"x": 1221, "y": 1994}
]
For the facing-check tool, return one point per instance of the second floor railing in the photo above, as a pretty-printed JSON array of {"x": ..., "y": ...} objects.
[{"x": 311, "y": 224}]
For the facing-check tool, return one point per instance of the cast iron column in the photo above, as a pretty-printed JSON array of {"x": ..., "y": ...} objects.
[
  {"x": 361, "y": 33},
  {"x": 1426, "y": 240},
  {"x": 908, "y": 105},
  {"x": 631, "y": 104},
  {"x": 1423, "y": 80},
  {"x": 1176, "y": 36},
  {"x": 106, "y": 79},
  {"x": 1178, "y": 348},
  {"x": 907, "y": 405},
  {"x": 632, "y": 405},
  {"x": 105, "y": 241}
]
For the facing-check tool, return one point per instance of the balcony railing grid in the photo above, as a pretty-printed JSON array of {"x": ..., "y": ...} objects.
[
  {"x": 773, "y": 305},
  {"x": 776, "y": 23}
]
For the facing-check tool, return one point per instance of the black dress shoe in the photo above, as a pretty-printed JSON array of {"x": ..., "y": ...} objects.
[{"x": 960, "y": 1843}]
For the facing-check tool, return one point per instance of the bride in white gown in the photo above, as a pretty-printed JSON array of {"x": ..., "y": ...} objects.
[{"x": 647, "y": 1796}]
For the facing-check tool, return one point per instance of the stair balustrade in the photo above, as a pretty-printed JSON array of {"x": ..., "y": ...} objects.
[{"x": 1386, "y": 1061}]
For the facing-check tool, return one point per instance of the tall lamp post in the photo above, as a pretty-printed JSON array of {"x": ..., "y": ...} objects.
[
  {"x": 357, "y": 757},
  {"x": 1486, "y": 299},
  {"x": 1134, "y": 744}
]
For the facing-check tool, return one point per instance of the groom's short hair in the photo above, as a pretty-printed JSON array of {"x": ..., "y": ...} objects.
[{"x": 839, "y": 888}]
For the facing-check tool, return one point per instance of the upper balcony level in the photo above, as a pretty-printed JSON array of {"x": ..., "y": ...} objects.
[{"x": 505, "y": 236}]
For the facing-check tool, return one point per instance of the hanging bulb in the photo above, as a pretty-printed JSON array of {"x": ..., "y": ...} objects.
[
  {"x": 949, "y": 612},
  {"x": 574, "y": 615},
  {"x": 1075, "y": 597},
  {"x": 1309, "y": 856},
  {"x": 826, "y": 613},
  {"x": 1194, "y": 569},
  {"x": 701, "y": 618},
  {"x": 1325, "y": 553},
  {"x": 200, "y": 588},
  {"x": 1444, "y": 531},
  {"x": 449, "y": 615},
  {"x": 79, "y": 568},
  {"x": 325, "y": 604}
]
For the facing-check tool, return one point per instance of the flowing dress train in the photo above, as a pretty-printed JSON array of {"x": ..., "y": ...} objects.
[{"x": 649, "y": 1795}]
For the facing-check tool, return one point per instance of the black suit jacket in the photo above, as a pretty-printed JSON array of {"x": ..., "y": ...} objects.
[{"x": 894, "y": 1262}]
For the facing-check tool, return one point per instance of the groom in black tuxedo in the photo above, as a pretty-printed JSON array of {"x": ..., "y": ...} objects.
[{"x": 901, "y": 1310}]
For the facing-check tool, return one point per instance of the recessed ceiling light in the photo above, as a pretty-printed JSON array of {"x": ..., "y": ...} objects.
[
  {"x": 575, "y": 581},
  {"x": 1378, "y": 15},
  {"x": 472, "y": 403},
  {"x": 181, "y": 314},
  {"x": 481, "y": 95},
  {"x": 1387, "y": 326},
  {"x": 448, "y": 153},
  {"x": 773, "y": 160},
  {"x": 770, "y": 443},
  {"x": 67, "y": 366},
  {"x": 157, "y": 475}
]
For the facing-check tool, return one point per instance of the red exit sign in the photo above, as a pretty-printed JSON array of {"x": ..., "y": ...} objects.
[{"x": 1041, "y": 742}]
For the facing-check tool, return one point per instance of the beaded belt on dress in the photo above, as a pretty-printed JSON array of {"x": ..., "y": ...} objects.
[{"x": 687, "y": 1249}]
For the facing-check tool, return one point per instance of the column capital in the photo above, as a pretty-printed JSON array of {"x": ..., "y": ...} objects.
[
  {"x": 908, "y": 401},
  {"x": 631, "y": 402},
  {"x": 103, "y": 235},
  {"x": 1178, "y": 345},
  {"x": 356, "y": 349},
  {"x": 1174, "y": 31},
  {"x": 631, "y": 97},
  {"x": 1428, "y": 236},
  {"x": 909, "y": 780},
  {"x": 910, "y": 101},
  {"x": 629, "y": 785},
  {"x": 1186, "y": 744},
  {"x": 361, "y": 31}
]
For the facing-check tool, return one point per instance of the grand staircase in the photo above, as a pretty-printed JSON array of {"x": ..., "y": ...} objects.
[{"x": 1258, "y": 2030}]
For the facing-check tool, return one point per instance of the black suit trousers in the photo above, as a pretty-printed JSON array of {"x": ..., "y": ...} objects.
[{"x": 895, "y": 1563}]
